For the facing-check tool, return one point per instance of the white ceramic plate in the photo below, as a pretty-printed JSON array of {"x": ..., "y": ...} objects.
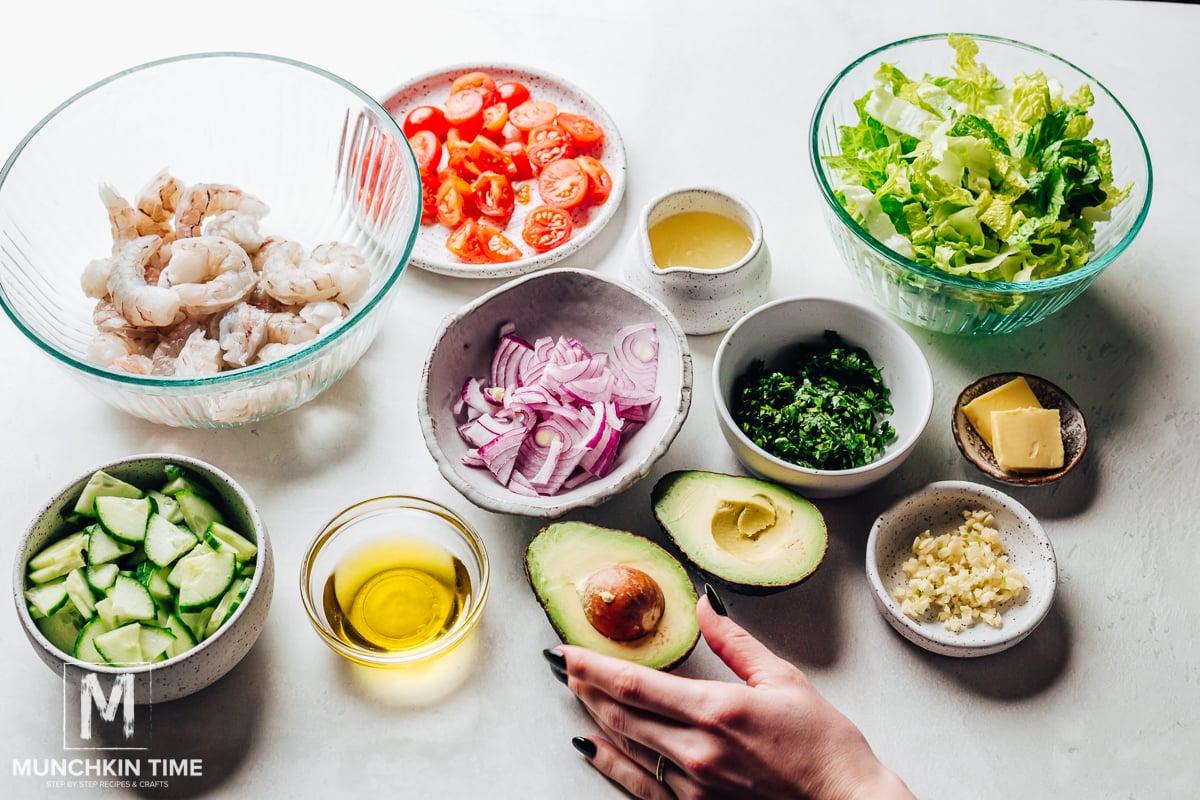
[{"x": 432, "y": 88}]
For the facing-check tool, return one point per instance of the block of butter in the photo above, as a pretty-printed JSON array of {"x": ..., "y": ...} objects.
[
  {"x": 1012, "y": 395},
  {"x": 1027, "y": 439}
]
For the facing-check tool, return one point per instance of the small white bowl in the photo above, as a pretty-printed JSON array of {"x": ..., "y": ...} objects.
[
  {"x": 558, "y": 302},
  {"x": 938, "y": 508},
  {"x": 704, "y": 300},
  {"x": 773, "y": 328},
  {"x": 202, "y": 665}
]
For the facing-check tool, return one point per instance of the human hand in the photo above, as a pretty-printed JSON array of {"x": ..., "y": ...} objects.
[{"x": 772, "y": 737}]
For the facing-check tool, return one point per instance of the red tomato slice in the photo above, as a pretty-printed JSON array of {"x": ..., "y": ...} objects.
[
  {"x": 493, "y": 195},
  {"x": 513, "y": 93},
  {"x": 546, "y": 228},
  {"x": 583, "y": 131},
  {"x": 456, "y": 142},
  {"x": 541, "y": 155},
  {"x": 464, "y": 110},
  {"x": 428, "y": 149},
  {"x": 599, "y": 181},
  {"x": 452, "y": 201},
  {"x": 495, "y": 117},
  {"x": 429, "y": 200},
  {"x": 487, "y": 156},
  {"x": 466, "y": 243},
  {"x": 563, "y": 183},
  {"x": 522, "y": 169},
  {"x": 496, "y": 246},
  {"x": 532, "y": 113},
  {"x": 547, "y": 134},
  {"x": 478, "y": 81},
  {"x": 425, "y": 118}
]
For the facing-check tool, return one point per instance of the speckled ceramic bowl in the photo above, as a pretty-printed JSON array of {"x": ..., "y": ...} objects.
[
  {"x": 203, "y": 664},
  {"x": 559, "y": 302},
  {"x": 938, "y": 508},
  {"x": 704, "y": 300},
  {"x": 1071, "y": 422}
]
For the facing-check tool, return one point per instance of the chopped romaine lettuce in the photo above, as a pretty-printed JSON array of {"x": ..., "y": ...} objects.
[{"x": 974, "y": 177}]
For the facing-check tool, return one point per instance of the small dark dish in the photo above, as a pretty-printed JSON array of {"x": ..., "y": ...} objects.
[{"x": 975, "y": 450}]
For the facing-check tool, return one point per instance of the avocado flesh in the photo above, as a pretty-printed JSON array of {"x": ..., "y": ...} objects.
[
  {"x": 747, "y": 533},
  {"x": 558, "y": 563}
]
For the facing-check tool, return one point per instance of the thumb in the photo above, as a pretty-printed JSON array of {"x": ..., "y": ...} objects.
[{"x": 750, "y": 659}]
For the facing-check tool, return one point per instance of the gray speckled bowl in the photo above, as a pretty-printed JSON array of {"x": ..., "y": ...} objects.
[
  {"x": 200, "y": 666},
  {"x": 938, "y": 507},
  {"x": 558, "y": 302}
]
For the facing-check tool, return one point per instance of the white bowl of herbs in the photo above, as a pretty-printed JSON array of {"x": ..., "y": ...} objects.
[
  {"x": 820, "y": 394},
  {"x": 154, "y": 565}
]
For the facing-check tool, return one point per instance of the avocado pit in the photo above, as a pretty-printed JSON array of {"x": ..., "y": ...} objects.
[{"x": 621, "y": 602}]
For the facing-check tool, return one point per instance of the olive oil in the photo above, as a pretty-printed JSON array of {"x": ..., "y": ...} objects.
[
  {"x": 396, "y": 595},
  {"x": 700, "y": 239}
]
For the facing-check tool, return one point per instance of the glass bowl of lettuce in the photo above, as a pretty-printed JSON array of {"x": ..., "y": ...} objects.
[{"x": 976, "y": 185}]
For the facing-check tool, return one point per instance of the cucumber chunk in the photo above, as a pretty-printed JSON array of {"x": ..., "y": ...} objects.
[
  {"x": 197, "y": 621},
  {"x": 162, "y": 592},
  {"x": 47, "y": 599},
  {"x": 101, "y": 576},
  {"x": 229, "y": 603},
  {"x": 121, "y": 647},
  {"x": 85, "y": 645},
  {"x": 198, "y": 512},
  {"x": 131, "y": 601},
  {"x": 103, "y": 548},
  {"x": 101, "y": 484},
  {"x": 124, "y": 518},
  {"x": 154, "y": 642},
  {"x": 62, "y": 628},
  {"x": 80, "y": 593},
  {"x": 208, "y": 579},
  {"x": 58, "y": 559},
  {"x": 166, "y": 541},
  {"x": 221, "y": 537},
  {"x": 166, "y": 505},
  {"x": 184, "y": 638}
]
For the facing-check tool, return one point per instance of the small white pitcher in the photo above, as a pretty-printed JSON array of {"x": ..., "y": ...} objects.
[{"x": 703, "y": 300}]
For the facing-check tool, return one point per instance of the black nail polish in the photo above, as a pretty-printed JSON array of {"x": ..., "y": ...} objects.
[
  {"x": 560, "y": 674},
  {"x": 714, "y": 600},
  {"x": 556, "y": 659},
  {"x": 585, "y": 746}
]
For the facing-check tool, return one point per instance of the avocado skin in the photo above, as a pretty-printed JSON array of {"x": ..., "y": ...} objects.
[
  {"x": 685, "y": 587},
  {"x": 754, "y": 589}
]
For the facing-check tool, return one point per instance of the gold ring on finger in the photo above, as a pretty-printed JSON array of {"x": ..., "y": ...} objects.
[{"x": 660, "y": 769}]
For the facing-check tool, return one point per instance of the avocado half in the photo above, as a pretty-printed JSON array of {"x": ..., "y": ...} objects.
[
  {"x": 751, "y": 536},
  {"x": 561, "y": 558}
]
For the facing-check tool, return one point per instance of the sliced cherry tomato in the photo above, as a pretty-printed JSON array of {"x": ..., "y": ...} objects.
[
  {"x": 531, "y": 113},
  {"x": 466, "y": 242},
  {"x": 464, "y": 110},
  {"x": 522, "y": 169},
  {"x": 428, "y": 149},
  {"x": 513, "y": 92},
  {"x": 524, "y": 194},
  {"x": 481, "y": 82},
  {"x": 547, "y": 134},
  {"x": 599, "y": 181},
  {"x": 429, "y": 200},
  {"x": 496, "y": 246},
  {"x": 487, "y": 156},
  {"x": 493, "y": 195},
  {"x": 540, "y": 155},
  {"x": 546, "y": 228},
  {"x": 563, "y": 183},
  {"x": 495, "y": 117},
  {"x": 451, "y": 201},
  {"x": 425, "y": 118},
  {"x": 583, "y": 131}
]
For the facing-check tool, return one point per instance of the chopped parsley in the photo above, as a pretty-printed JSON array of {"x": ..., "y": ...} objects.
[{"x": 822, "y": 406}]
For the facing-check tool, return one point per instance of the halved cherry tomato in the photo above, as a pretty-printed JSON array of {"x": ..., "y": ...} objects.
[
  {"x": 531, "y": 113},
  {"x": 599, "y": 181},
  {"x": 466, "y": 243},
  {"x": 563, "y": 183},
  {"x": 428, "y": 149},
  {"x": 487, "y": 156},
  {"x": 456, "y": 142},
  {"x": 496, "y": 246},
  {"x": 480, "y": 82},
  {"x": 495, "y": 117},
  {"x": 540, "y": 155},
  {"x": 546, "y": 228},
  {"x": 582, "y": 130},
  {"x": 523, "y": 170},
  {"x": 493, "y": 195},
  {"x": 546, "y": 134},
  {"x": 464, "y": 110},
  {"x": 425, "y": 118},
  {"x": 428, "y": 200},
  {"x": 451, "y": 200},
  {"x": 513, "y": 93}
]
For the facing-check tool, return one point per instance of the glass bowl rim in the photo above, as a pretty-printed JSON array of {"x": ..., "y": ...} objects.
[
  {"x": 303, "y": 356},
  {"x": 1087, "y": 271},
  {"x": 338, "y": 522}
]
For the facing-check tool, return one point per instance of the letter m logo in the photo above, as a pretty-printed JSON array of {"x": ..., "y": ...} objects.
[{"x": 120, "y": 697}]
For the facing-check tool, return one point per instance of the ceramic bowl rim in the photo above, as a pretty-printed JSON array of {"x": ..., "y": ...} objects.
[{"x": 756, "y": 231}]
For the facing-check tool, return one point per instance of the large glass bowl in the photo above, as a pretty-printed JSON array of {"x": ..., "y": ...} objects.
[
  {"x": 954, "y": 304},
  {"x": 328, "y": 160}
]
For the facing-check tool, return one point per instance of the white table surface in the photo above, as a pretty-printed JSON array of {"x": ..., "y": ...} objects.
[{"x": 1102, "y": 701}]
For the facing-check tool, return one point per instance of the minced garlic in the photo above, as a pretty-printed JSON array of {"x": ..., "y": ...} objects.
[{"x": 964, "y": 575}]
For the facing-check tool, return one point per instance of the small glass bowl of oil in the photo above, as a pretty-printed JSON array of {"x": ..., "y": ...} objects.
[{"x": 395, "y": 580}]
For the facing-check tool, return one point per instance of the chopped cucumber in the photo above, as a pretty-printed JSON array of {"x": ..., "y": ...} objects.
[
  {"x": 62, "y": 628},
  {"x": 154, "y": 641},
  {"x": 221, "y": 537},
  {"x": 198, "y": 512},
  {"x": 80, "y": 593},
  {"x": 101, "y": 576},
  {"x": 184, "y": 638},
  {"x": 208, "y": 579},
  {"x": 166, "y": 541},
  {"x": 101, "y": 484},
  {"x": 131, "y": 601},
  {"x": 121, "y": 647},
  {"x": 159, "y": 589},
  {"x": 85, "y": 645},
  {"x": 197, "y": 621},
  {"x": 181, "y": 480},
  {"x": 103, "y": 548},
  {"x": 228, "y": 604},
  {"x": 124, "y": 518},
  {"x": 166, "y": 505},
  {"x": 58, "y": 559},
  {"x": 47, "y": 598},
  {"x": 246, "y": 570}
]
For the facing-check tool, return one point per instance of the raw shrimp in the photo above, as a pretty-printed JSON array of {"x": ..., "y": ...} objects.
[
  {"x": 237, "y": 226},
  {"x": 334, "y": 271},
  {"x": 311, "y": 321},
  {"x": 349, "y": 268},
  {"x": 95, "y": 278},
  {"x": 209, "y": 199},
  {"x": 273, "y": 351},
  {"x": 209, "y": 273},
  {"x": 109, "y": 346},
  {"x": 156, "y": 203},
  {"x": 199, "y": 356},
  {"x": 142, "y": 305},
  {"x": 170, "y": 344},
  {"x": 122, "y": 217},
  {"x": 241, "y": 332},
  {"x": 133, "y": 363}
]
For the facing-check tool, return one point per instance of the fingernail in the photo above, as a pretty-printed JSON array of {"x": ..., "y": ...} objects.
[
  {"x": 585, "y": 746},
  {"x": 556, "y": 659},
  {"x": 560, "y": 674},
  {"x": 714, "y": 600}
]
